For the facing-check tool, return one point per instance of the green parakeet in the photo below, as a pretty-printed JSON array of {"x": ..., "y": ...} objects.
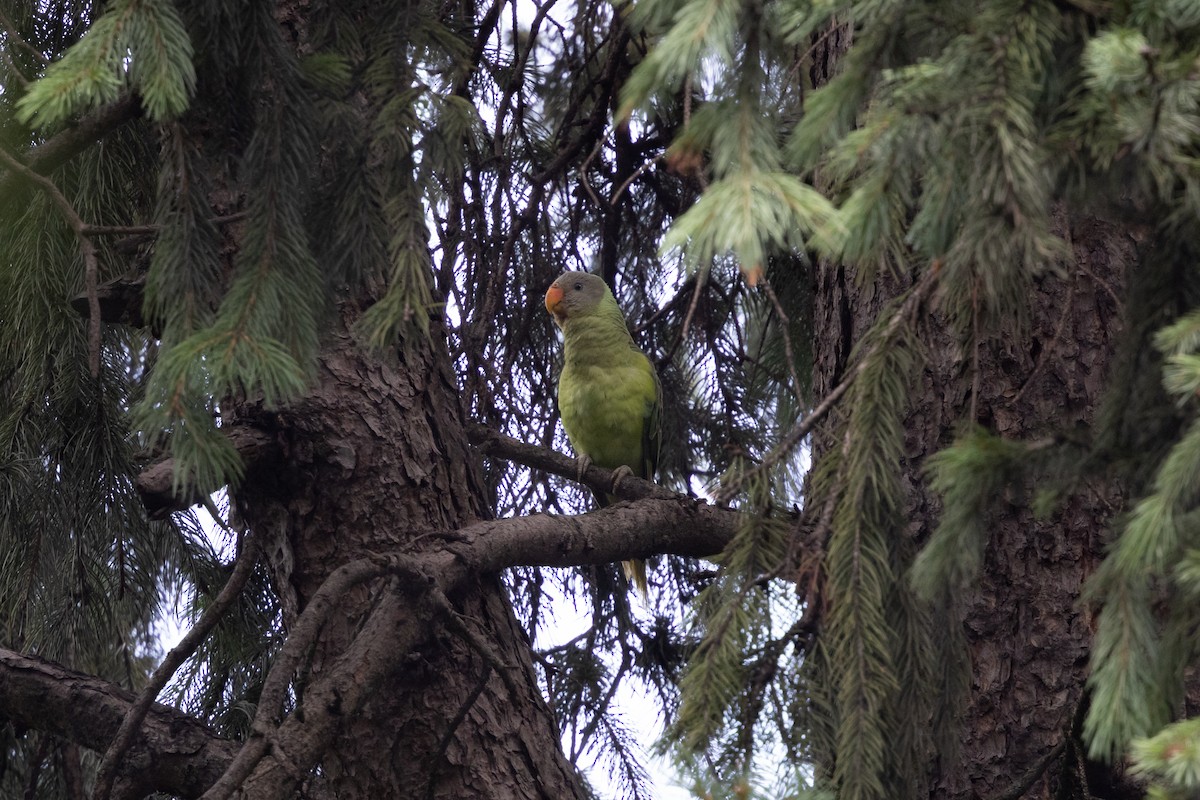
[{"x": 609, "y": 395}]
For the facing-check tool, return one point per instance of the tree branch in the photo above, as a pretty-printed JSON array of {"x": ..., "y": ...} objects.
[
  {"x": 173, "y": 752},
  {"x": 805, "y": 425},
  {"x": 155, "y": 484},
  {"x": 242, "y": 570},
  {"x": 264, "y": 769},
  {"x": 493, "y": 443},
  {"x": 62, "y": 147},
  {"x": 91, "y": 264},
  {"x": 89, "y": 711}
]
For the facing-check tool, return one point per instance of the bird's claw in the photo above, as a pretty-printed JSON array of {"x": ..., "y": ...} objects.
[
  {"x": 581, "y": 466},
  {"x": 619, "y": 474}
]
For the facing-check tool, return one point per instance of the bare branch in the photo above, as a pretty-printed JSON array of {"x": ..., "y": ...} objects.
[
  {"x": 246, "y": 560},
  {"x": 173, "y": 752},
  {"x": 784, "y": 327},
  {"x": 156, "y": 483},
  {"x": 493, "y": 443},
  {"x": 15, "y": 38}
]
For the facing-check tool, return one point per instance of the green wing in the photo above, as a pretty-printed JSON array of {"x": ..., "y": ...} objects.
[{"x": 652, "y": 434}]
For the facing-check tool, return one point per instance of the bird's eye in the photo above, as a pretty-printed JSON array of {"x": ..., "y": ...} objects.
[{"x": 579, "y": 287}]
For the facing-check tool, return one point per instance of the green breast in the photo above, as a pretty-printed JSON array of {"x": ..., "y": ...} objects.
[{"x": 605, "y": 410}]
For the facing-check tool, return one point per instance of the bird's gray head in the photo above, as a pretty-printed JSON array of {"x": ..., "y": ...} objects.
[{"x": 575, "y": 294}]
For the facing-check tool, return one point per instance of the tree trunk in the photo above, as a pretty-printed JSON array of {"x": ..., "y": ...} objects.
[
  {"x": 376, "y": 456},
  {"x": 1028, "y": 633}
]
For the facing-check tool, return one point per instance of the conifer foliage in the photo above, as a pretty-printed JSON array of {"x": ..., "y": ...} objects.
[{"x": 816, "y": 216}]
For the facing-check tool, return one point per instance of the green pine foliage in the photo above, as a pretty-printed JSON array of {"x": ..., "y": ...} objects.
[
  {"x": 138, "y": 45},
  {"x": 727, "y": 688},
  {"x": 262, "y": 336},
  {"x": 1171, "y": 759},
  {"x": 430, "y": 168},
  {"x": 1135, "y": 679},
  {"x": 947, "y": 139},
  {"x": 969, "y": 475},
  {"x": 84, "y": 571},
  {"x": 72, "y": 526},
  {"x": 861, "y": 641}
]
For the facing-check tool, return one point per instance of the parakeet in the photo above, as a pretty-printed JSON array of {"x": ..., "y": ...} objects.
[{"x": 609, "y": 395}]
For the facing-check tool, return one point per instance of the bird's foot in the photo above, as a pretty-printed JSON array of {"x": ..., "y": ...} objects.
[
  {"x": 619, "y": 474},
  {"x": 581, "y": 466}
]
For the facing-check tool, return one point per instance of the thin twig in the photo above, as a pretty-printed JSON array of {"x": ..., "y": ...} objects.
[
  {"x": 1063, "y": 316},
  {"x": 1047, "y": 351},
  {"x": 833, "y": 28},
  {"x": 701, "y": 279},
  {"x": 242, "y": 570},
  {"x": 687, "y": 100},
  {"x": 121, "y": 230},
  {"x": 600, "y": 709},
  {"x": 148, "y": 230},
  {"x": 76, "y": 222},
  {"x": 664, "y": 309},
  {"x": 803, "y": 427},
  {"x": 481, "y": 645},
  {"x": 10, "y": 32},
  {"x": 636, "y": 174},
  {"x": 91, "y": 265},
  {"x": 1031, "y": 775},
  {"x": 583, "y": 169},
  {"x": 91, "y": 277},
  {"x": 14, "y": 70},
  {"x": 784, "y": 322}
]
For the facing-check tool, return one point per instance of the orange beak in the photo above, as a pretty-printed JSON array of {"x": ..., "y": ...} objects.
[{"x": 554, "y": 296}]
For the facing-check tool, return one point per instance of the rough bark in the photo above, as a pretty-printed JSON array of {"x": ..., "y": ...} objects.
[
  {"x": 174, "y": 753},
  {"x": 401, "y": 696},
  {"x": 375, "y": 458},
  {"x": 1029, "y": 637}
]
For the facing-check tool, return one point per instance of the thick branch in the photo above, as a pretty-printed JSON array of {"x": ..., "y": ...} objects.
[
  {"x": 276, "y": 758},
  {"x": 173, "y": 753},
  {"x": 61, "y": 147},
  {"x": 156, "y": 483}
]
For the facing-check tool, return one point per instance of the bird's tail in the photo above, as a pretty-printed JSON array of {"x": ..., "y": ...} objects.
[{"x": 635, "y": 573}]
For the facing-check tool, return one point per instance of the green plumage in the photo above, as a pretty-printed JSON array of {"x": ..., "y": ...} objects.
[{"x": 609, "y": 395}]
